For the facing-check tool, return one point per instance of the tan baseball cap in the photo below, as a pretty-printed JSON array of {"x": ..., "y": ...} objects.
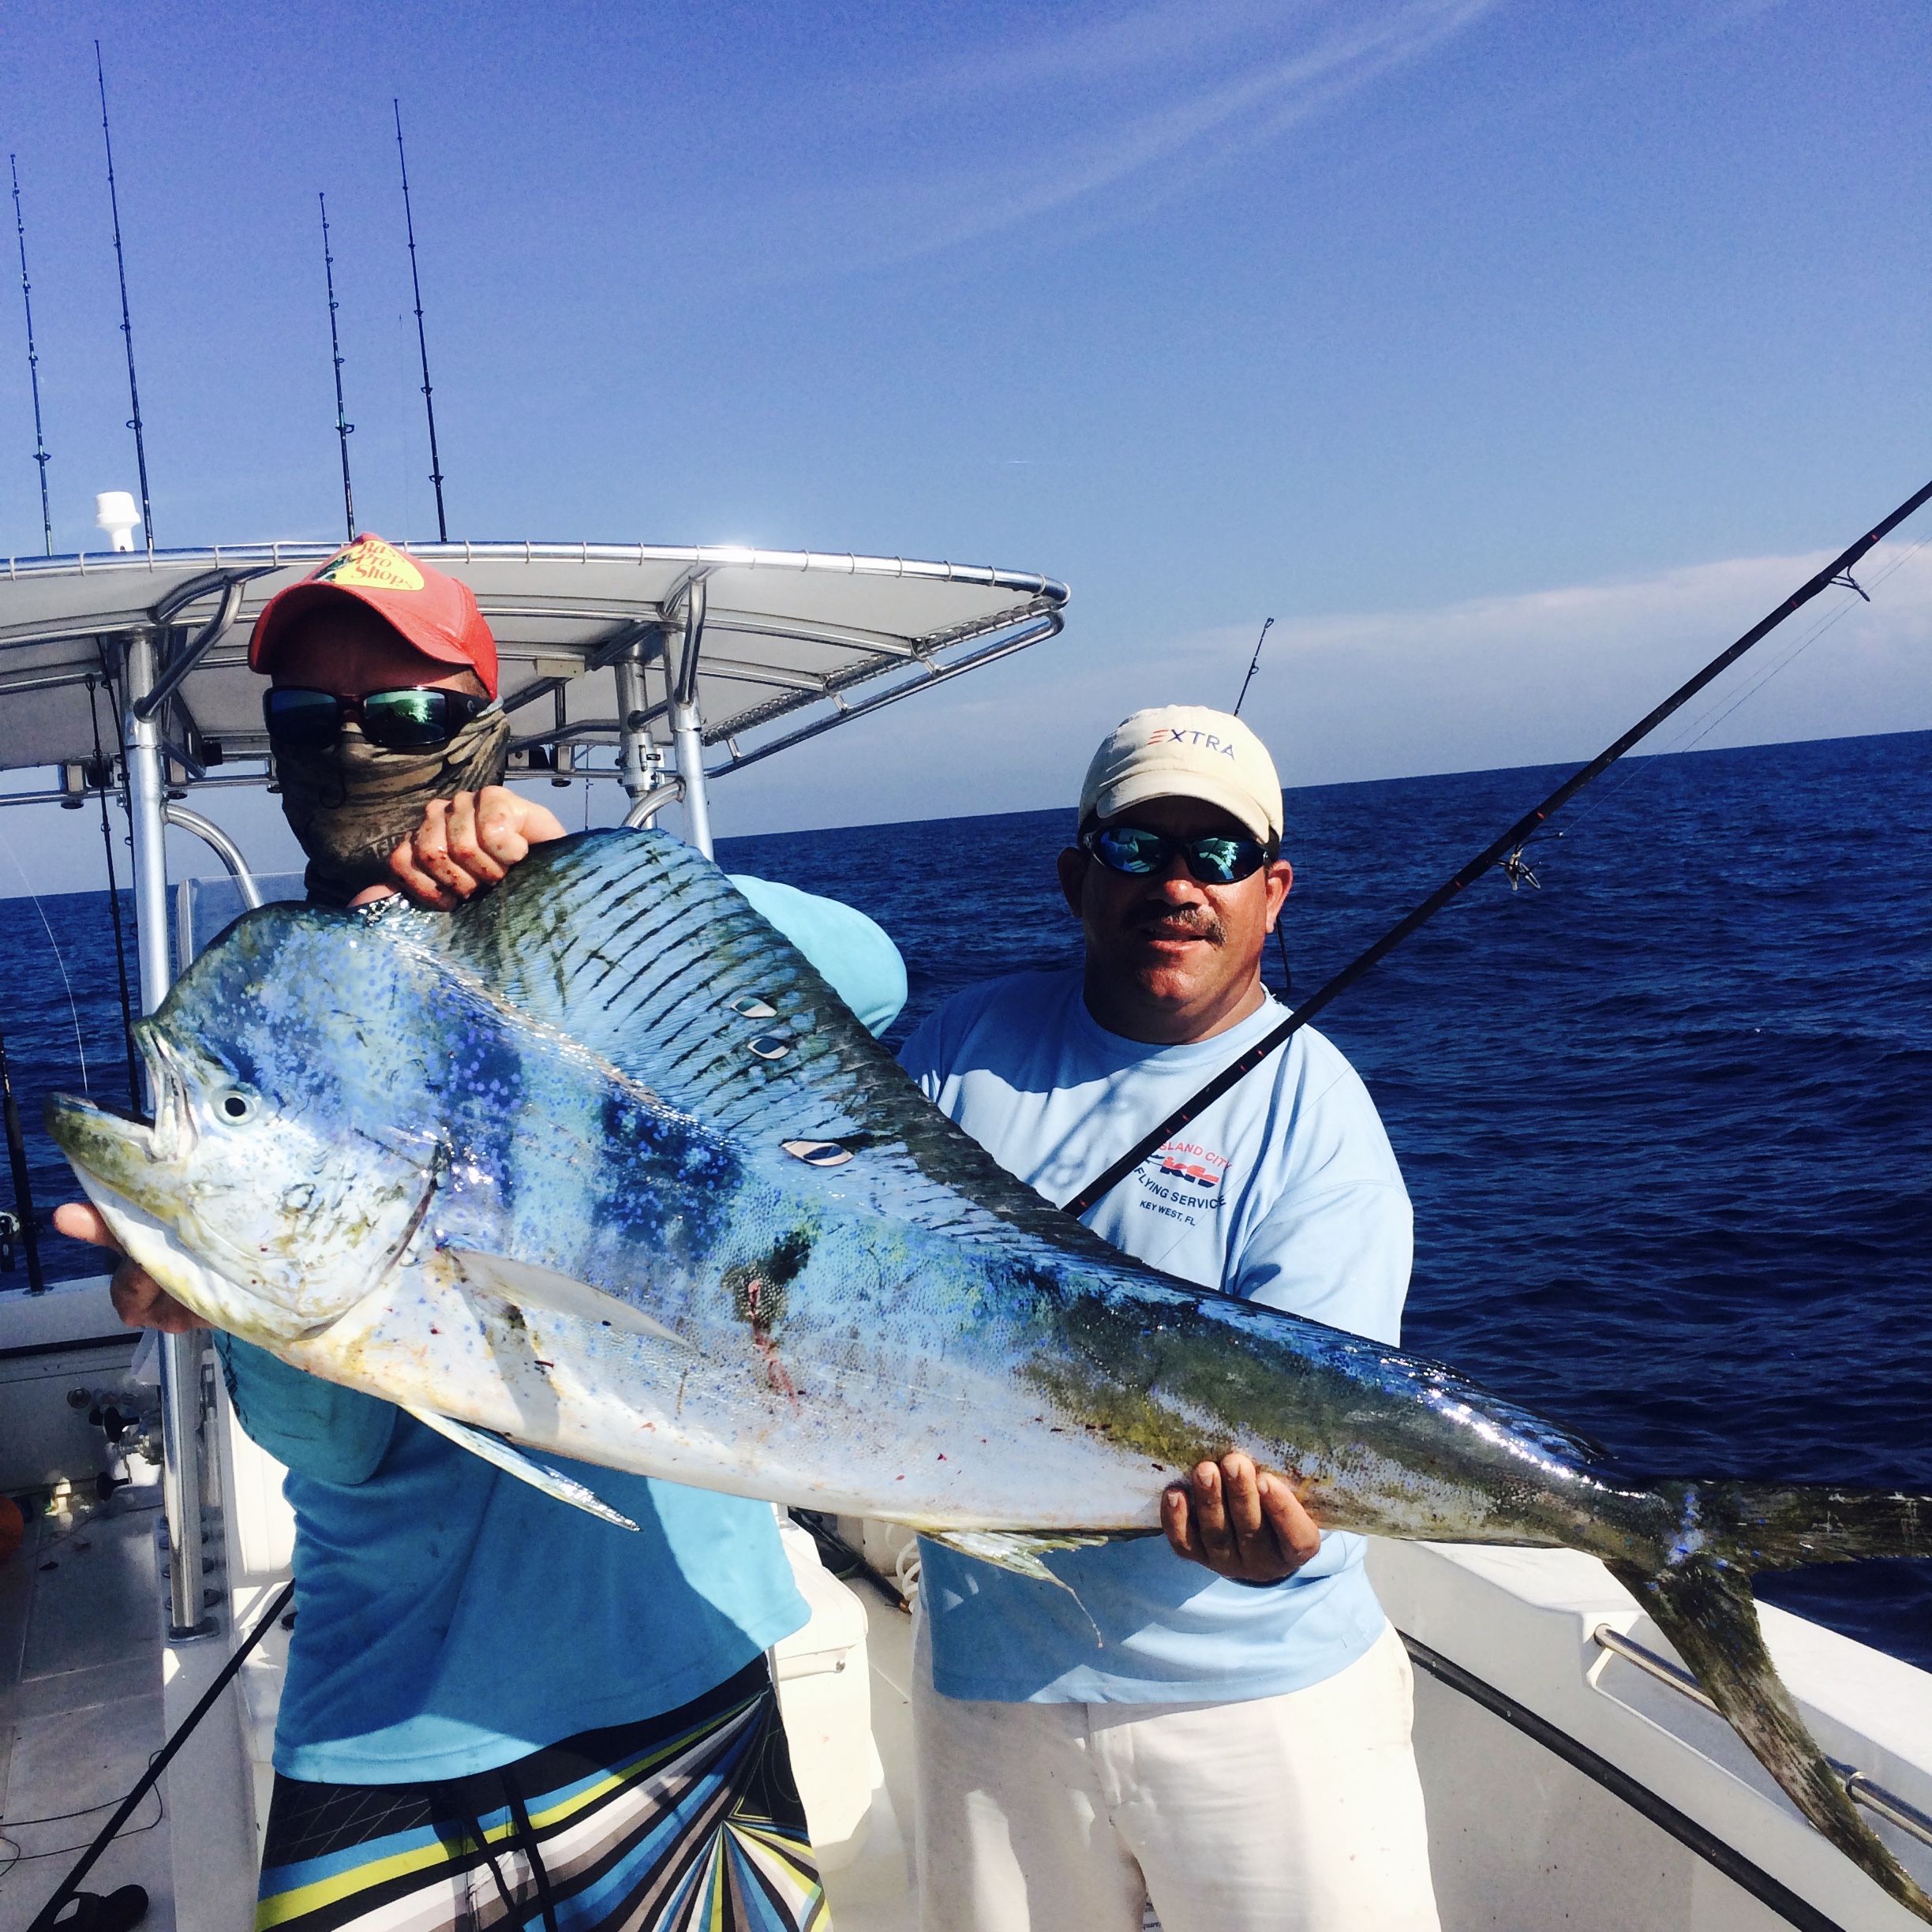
[{"x": 1185, "y": 751}]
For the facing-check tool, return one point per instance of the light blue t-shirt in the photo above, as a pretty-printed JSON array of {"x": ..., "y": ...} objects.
[
  {"x": 1285, "y": 1191},
  {"x": 449, "y": 1617}
]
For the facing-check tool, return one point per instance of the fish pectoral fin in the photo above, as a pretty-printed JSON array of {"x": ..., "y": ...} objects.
[
  {"x": 530, "y": 1286},
  {"x": 515, "y": 1462}
]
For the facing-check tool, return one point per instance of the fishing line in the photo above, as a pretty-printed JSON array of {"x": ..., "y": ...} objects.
[
  {"x": 1701, "y": 727},
  {"x": 21, "y": 1857},
  {"x": 1511, "y": 841},
  {"x": 80, "y": 1048},
  {"x": 1806, "y": 643}
]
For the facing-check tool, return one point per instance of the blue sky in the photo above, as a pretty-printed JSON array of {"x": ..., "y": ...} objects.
[{"x": 1505, "y": 351}]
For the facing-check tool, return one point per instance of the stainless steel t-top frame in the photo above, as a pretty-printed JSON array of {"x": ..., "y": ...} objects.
[
  {"x": 757, "y": 651},
  {"x": 181, "y": 1354},
  {"x": 687, "y": 725}
]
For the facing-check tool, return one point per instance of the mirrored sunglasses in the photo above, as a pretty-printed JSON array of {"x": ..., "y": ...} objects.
[
  {"x": 1214, "y": 860},
  {"x": 412, "y": 719}
]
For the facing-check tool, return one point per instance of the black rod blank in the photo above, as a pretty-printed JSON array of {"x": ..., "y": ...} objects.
[
  {"x": 1838, "y": 569},
  {"x": 22, "y": 1185},
  {"x": 49, "y": 1914},
  {"x": 344, "y": 429},
  {"x": 1254, "y": 665},
  {"x": 422, "y": 341},
  {"x": 102, "y": 775},
  {"x": 127, "y": 325},
  {"x": 33, "y": 359}
]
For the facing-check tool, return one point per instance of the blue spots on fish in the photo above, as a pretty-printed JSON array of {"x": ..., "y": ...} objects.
[{"x": 671, "y": 1183}]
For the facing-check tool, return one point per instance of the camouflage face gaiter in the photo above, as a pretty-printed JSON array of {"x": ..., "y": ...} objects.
[{"x": 352, "y": 803}]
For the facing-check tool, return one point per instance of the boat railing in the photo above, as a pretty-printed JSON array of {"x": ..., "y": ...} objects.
[
  {"x": 221, "y": 844},
  {"x": 1863, "y": 1790}
]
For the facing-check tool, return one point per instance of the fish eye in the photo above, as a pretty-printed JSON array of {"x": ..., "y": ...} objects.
[{"x": 237, "y": 1107}]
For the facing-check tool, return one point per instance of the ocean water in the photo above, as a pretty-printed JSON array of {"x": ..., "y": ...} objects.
[{"x": 1667, "y": 1118}]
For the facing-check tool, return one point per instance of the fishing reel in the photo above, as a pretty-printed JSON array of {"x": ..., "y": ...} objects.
[
  {"x": 9, "y": 1239},
  {"x": 127, "y": 1415}
]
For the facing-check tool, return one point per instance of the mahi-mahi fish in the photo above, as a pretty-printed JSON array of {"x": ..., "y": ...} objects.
[{"x": 598, "y": 1164}]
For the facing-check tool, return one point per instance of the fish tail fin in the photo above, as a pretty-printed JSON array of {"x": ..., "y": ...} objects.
[
  {"x": 1703, "y": 1606},
  {"x": 1784, "y": 1527}
]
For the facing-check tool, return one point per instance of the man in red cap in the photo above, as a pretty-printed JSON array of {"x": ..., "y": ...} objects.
[
  {"x": 495, "y": 1703},
  {"x": 400, "y": 651}
]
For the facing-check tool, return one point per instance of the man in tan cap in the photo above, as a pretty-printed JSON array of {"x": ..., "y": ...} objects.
[{"x": 1217, "y": 1724}]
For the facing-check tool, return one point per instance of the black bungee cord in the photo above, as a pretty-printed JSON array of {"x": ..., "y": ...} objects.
[{"x": 1499, "y": 851}]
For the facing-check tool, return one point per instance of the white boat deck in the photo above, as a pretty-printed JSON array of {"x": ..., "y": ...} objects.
[{"x": 81, "y": 1706}]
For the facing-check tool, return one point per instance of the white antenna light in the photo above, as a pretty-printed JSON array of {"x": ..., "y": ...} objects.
[{"x": 114, "y": 512}]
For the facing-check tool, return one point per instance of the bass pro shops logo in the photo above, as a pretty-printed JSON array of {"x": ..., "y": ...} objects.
[
  {"x": 1200, "y": 740},
  {"x": 368, "y": 563}
]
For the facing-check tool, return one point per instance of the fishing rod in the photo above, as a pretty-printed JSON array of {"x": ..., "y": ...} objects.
[
  {"x": 344, "y": 429},
  {"x": 127, "y": 325},
  {"x": 422, "y": 341},
  {"x": 22, "y": 1185},
  {"x": 64, "y": 1892},
  {"x": 1836, "y": 572},
  {"x": 1254, "y": 665},
  {"x": 33, "y": 359}
]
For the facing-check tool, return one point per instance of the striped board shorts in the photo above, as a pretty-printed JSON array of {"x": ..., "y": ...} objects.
[{"x": 690, "y": 1820}]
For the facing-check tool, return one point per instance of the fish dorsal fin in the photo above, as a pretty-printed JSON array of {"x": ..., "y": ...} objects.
[
  {"x": 640, "y": 950},
  {"x": 513, "y": 1461}
]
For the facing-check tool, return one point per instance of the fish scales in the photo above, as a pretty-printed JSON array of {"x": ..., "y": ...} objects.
[{"x": 530, "y": 1168}]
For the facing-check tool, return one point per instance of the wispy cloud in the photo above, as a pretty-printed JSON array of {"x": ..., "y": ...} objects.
[
  {"x": 1152, "y": 101},
  {"x": 1540, "y": 677}
]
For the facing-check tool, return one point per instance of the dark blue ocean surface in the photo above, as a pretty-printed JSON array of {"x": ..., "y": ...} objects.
[{"x": 1667, "y": 1119}]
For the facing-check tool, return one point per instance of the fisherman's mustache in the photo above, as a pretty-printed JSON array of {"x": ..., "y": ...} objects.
[{"x": 1197, "y": 921}]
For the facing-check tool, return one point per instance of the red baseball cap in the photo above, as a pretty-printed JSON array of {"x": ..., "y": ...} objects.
[{"x": 430, "y": 610}]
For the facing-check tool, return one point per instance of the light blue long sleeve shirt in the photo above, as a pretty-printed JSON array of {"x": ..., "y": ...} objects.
[{"x": 1285, "y": 1191}]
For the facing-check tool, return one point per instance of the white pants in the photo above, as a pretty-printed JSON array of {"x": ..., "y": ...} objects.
[{"x": 1301, "y": 1812}]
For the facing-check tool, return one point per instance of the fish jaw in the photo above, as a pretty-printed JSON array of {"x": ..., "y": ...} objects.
[
  {"x": 155, "y": 1248},
  {"x": 256, "y": 1223}
]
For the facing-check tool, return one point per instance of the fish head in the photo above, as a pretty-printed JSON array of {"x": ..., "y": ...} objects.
[{"x": 272, "y": 1188}]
